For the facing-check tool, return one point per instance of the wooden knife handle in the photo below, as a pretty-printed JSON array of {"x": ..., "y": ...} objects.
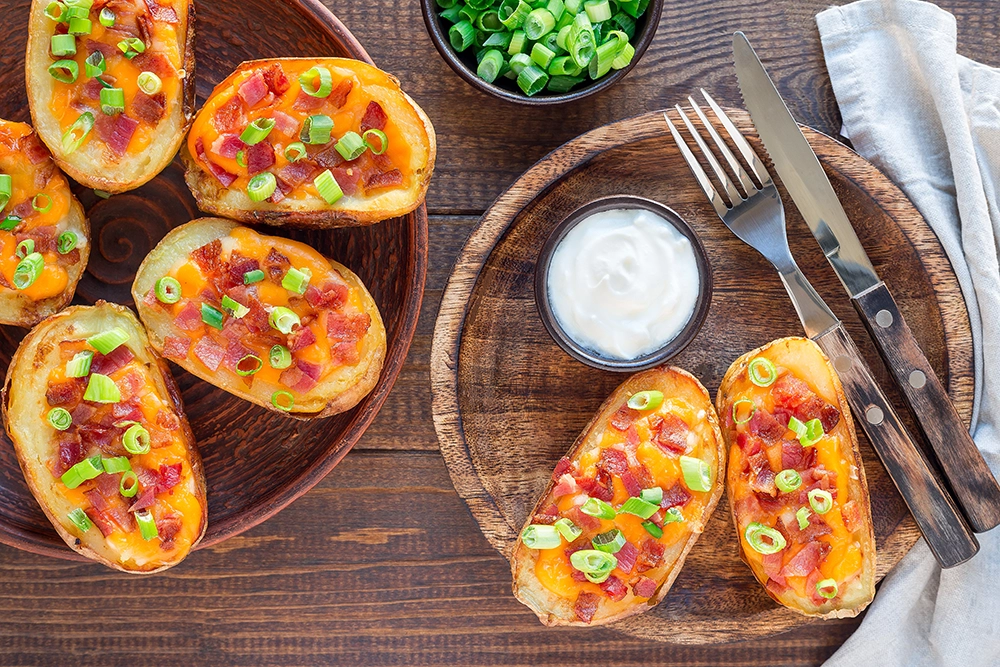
[
  {"x": 966, "y": 472},
  {"x": 942, "y": 524}
]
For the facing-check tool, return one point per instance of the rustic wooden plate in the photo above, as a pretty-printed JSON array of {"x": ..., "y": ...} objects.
[
  {"x": 508, "y": 403},
  {"x": 256, "y": 463}
]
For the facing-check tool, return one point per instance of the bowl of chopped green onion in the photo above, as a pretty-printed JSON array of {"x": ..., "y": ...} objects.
[{"x": 542, "y": 51}]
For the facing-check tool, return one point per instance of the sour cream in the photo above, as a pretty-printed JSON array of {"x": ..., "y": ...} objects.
[{"x": 623, "y": 283}]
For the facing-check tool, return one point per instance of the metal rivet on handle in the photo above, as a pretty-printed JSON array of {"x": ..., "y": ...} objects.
[
  {"x": 874, "y": 415},
  {"x": 918, "y": 379},
  {"x": 884, "y": 319},
  {"x": 843, "y": 364}
]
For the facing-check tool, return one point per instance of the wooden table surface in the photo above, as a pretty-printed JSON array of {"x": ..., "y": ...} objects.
[{"x": 382, "y": 563}]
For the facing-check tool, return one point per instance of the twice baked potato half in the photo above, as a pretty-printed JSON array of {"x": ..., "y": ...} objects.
[
  {"x": 44, "y": 234},
  {"x": 99, "y": 430},
  {"x": 111, "y": 86},
  {"x": 625, "y": 505},
  {"x": 320, "y": 142},
  {"x": 267, "y": 319},
  {"x": 795, "y": 482}
]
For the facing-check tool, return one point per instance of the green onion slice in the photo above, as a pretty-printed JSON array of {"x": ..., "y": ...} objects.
[
  {"x": 80, "y": 519},
  {"x": 827, "y": 588},
  {"x": 328, "y": 187},
  {"x": 569, "y": 530},
  {"x": 652, "y": 495},
  {"x": 639, "y": 508},
  {"x": 60, "y": 419},
  {"x": 307, "y": 81},
  {"x": 317, "y": 130},
  {"x": 538, "y": 23},
  {"x": 128, "y": 486},
  {"x": 234, "y": 307},
  {"x": 6, "y": 189},
  {"x": 284, "y": 319},
  {"x": 802, "y": 516},
  {"x": 788, "y": 480},
  {"x": 168, "y": 290},
  {"x": 764, "y": 540},
  {"x": 38, "y": 206},
  {"x": 673, "y": 515},
  {"x": 108, "y": 341},
  {"x": 107, "y": 18},
  {"x": 257, "y": 131},
  {"x": 101, "y": 389},
  {"x": 532, "y": 80},
  {"x": 212, "y": 316},
  {"x": 351, "y": 146},
  {"x": 79, "y": 365},
  {"x": 136, "y": 439},
  {"x": 112, "y": 101},
  {"x": 75, "y": 135},
  {"x": 540, "y": 536},
  {"x": 809, "y": 433},
  {"x": 64, "y": 71},
  {"x": 149, "y": 83},
  {"x": 821, "y": 501},
  {"x": 653, "y": 529},
  {"x": 80, "y": 26},
  {"x": 581, "y": 43},
  {"x": 296, "y": 280},
  {"x": 131, "y": 47},
  {"x": 279, "y": 357},
  {"x": 66, "y": 243},
  {"x": 489, "y": 69},
  {"x": 762, "y": 372},
  {"x": 54, "y": 10},
  {"x": 746, "y": 407},
  {"x": 10, "y": 222},
  {"x": 542, "y": 55},
  {"x": 697, "y": 474},
  {"x": 610, "y": 542},
  {"x": 383, "y": 141},
  {"x": 598, "y": 10},
  {"x": 462, "y": 35},
  {"x": 86, "y": 469},
  {"x": 295, "y": 151},
  {"x": 63, "y": 45},
  {"x": 599, "y": 508},
  {"x": 262, "y": 186},
  {"x": 241, "y": 158},
  {"x": 95, "y": 65},
  {"x": 597, "y": 565},
  {"x": 116, "y": 465},
  {"x": 283, "y": 400},
  {"x": 646, "y": 400},
  {"x": 624, "y": 58},
  {"x": 24, "y": 248},
  {"x": 28, "y": 270},
  {"x": 249, "y": 365},
  {"x": 251, "y": 277},
  {"x": 147, "y": 525}
]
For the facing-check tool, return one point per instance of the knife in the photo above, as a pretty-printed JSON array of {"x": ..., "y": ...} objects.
[{"x": 971, "y": 481}]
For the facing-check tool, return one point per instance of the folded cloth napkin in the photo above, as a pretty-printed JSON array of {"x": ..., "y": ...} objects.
[{"x": 930, "y": 120}]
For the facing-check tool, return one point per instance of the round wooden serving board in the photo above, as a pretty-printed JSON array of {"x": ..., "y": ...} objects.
[
  {"x": 508, "y": 403},
  {"x": 256, "y": 462}
]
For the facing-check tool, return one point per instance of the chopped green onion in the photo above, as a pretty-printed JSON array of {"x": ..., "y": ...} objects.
[
  {"x": 262, "y": 186},
  {"x": 569, "y": 530},
  {"x": 519, "y": 62},
  {"x": 295, "y": 151},
  {"x": 788, "y": 480},
  {"x": 317, "y": 129},
  {"x": 764, "y": 540},
  {"x": 625, "y": 23},
  {"x": 108, "y": 341},
  {"x": 652, "y": 495},
  {"x": 653, "y": 529},
  {"x": 539, "y": 23},
  {"x": 28, "y": 270},
  {"x": 827, "y": 588},
  {"x": 41, "y": 208},
  {"x": 639, "y": 508},
  {"x": 624, "y": 57},
  {"x": 598, "y": 10},
  {"x": 6, "y": 189},
  {"x": 251, "y": 277},
  {"x": 74, "y": 136},
  {"x": 112, "y": 101},
  {"x": 147, "y": 525},
  {"x": 86, "y": 469},
  {"x": 736, "y": 410},
  {"x": 241, "y": 158},
  {"x": 131, "y": 47},
  {"x": 563, "y": 35},
  {"x": 79, "y": 365},
  {"x": 63, "y": 45},
  {"x": 581, "y": 42},
  {"x": 673, "y": 515},
  {"x": 257, "y": 131},
  {"x": 697, "y": 474},
  {"x": 101, "y": 389},
  {"x": 518, "y": 42},
  {"x": 54, "y": 10},
  {"x": 489, "y": 21},
  {"x": 249, "y": 365},
  {"x": 610, "y": 542},
  {"x": 563, "y": 84},
  {"x": 540, "y": 536},
  {"x": 307, "y": 81},
  {"x": 168, "y": 290},
  {"x": 821, "y": 501},
  {"x": 532, "y": 80},
  {"x": 462, "y": 35},
  {"x": 24, "y": 248},
  {"x": 802, "y": 516},
  {"x": 66, "y": 243},
  {"x": 646, "y": 400},
  {"x": 64, "y": 71},
  {"x": 283, "y": 400},
  {"x": 597, "y": 565},
  {"x": 809, "y": 433},
  {"x": 149, "y": 83},
  {"x": 542, "y": 55},
  {"x": 328, "y": 187},
  {"x": 634, "y": 8},
  {"x": 513, "y": 13},
  {"x": 280, "y": 357},
  {"x": 557, "y": 8},
  {"x": 451, "y": 14},
  {"x": 234, "y": 307},
  {"x": 383, "y": 140},
  {"x": 128, "y": 486},
  {"x": 136, "y": 439},
  {"x": 10, "y": 222},
  {"x": 284, "y": 319},
  {"x": 102, "y": 194},
  {"x": 351, "y": 146},
  {"x": 498, "y": 40},
  {"x": 599, "y": 508},
  {"x": 107, "y": 18},
  {"x": 116, "y": 464},
  {"x": 296, "y": 280},
  {"x": 74, "y": 12},
  {"x": 762, "y": 372},
  {"x": 80, "y": 26},
  {"x": 80, "y": 519},
  {"x": 600, "y": 64},
  {"x": 212, "y": 316},
  {"x": 60, "y": 419}
]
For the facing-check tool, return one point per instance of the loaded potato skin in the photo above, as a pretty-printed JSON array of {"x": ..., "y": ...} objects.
[
  {"x": 796, "y": 483},
  {"x": 626, "y": 504}
]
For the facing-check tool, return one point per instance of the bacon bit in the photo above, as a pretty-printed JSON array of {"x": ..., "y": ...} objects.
[
  {"x": 150, "y": 108},
  {"x": 170, "y": 476},
  {"x": 235, "y": 351},
  {"x": 69, "y": 392},
  {"x": 347, "y": 179},
  {"x": 209, "y": 353},
  {"x": 772, "y": 567},
  {"x": 276, "y": 265},
  {"x": 294, "y": 378},
  {"x": 92, "y": 89},
  {"x": 228, "y": 117},
  {"x": 83, "y": 413},
  {"x": 167, "y": 528},
  {"x": 586, "y": 606},
  {"x": 253, "y": 90},
  {"x": 333, "y": 295},
  {"x": 106, "y": 364},
  {"x": 675, "y": 496},
  {"x": 157, "y": 63},
  {"x": 630, "y": 483},
  {"x": 126, "y": 412},
  {"x": 797, "y": 457},
  {"x": 650, "y": 555},
  {"x": 338, "y": 97},
  {"x": 387, "y": 179},
  {"x": 806, "y": 560},
  {"x": 116, "y": 131},
  {"x": 130, "y": 385},
  {"x": 852, "y": 515},
  {"x": 349, "y": 328},
  {"x": 300, "y": 339},
  {"x": 144, "y": 500},
  {"x": 162, "y": 13},
  {"x": 584, "y": 521},
  {"x": 207, "y": 257},
  {"x": 613, "y": 461},
  {"x": 548, "y": 516},
  {"x": 814, "y": 578},
  {"x": 790, "y": 527},
  {"x": 644, "y": 588},
  {"x": 220, "y": 174},
  {"x": 92, "y": 45},
  {"x": 44, "y": 237},
  {"x": 312, "y": 370},
  {"x": 228, "y": 145},
  {"x": 103, "y": 524},
  {"x": 260, "y": 157},
  {"x": 614, "y": 588},
  {"x": 345, "y": 354},
  {"x": 167, "y": 420},
  {"x": 775, "y": 588},
  {"x": 624, "y": 418},
  {"x": 770, "y": 503},
  {"x": 176, "y": 347},
  {"x": 296, "y": 173},
  {"x": 285, "y": 124},
  {"x": 627, "y": 556},
  {"x": 70, "y": 453},
  {"x": 764, "y": 424},
  {"x": 276, "y": 79},
  {"x": 256, "y": 319},
  {"x": 565, "y": 486},
  {"x": 306, "y": 102},
  {"x": 238, "y": 266},
  {"x": 374, "y": 118},
  {"x": 794, "y": 394},
  {"x": 749, "y": 507},
  {"x": 565, "y": 463},
  {"x": 763, "y": 475},
  {"x": 672, "y": 434},
  {"x": 235, "y": 330},
  {"x": 33, "y": 148}
]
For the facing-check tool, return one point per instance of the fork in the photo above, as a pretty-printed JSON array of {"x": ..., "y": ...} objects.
[{"x": 756, "y": 216}]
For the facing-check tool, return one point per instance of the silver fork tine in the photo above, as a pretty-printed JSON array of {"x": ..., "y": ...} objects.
[
  {"x": 735, "y": 198},
  {"x": 756, "y": 164},
  {"x": 692, "y": 162},
  {"x": 734, "y": 164}
]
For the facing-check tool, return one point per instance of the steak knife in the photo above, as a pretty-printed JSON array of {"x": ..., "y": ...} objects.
[{"x": 972, "y": 483}]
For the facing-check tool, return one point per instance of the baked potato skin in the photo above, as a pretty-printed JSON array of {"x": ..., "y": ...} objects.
[
  {"x": 332, "y": 396},
  {"x": 311, "y": 212},
  {"x": 89, "y": 165},
  {"x": 24, "y": 400},
  {"x": 807, "y": 362},
  {"x": 554, "y": 610}
]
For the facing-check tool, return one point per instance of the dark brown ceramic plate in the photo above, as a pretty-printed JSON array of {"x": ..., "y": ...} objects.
[{"x": 256, "y": 463}]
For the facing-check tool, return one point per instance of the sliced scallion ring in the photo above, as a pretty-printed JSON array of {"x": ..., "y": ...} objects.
[
  {"x": 611, "y": 542},
  {"x": 241, "y": 158},
  {"x": 764, "y": 540},
  {"x": 762, "y": 372},
  {"x": 136, "y": 439},
  {"x": 697, "y": 474},
  {"x": 24, "y": 248},
  {"x": 168, "y": 290},
  {"x": 351, "y": 146},
  {"x": 652, "y": 495},
  {"x": 108, "y": 341},
  {"x": 116, "y": 464},
  {"x": 107, "y": 18},
  {"x": 653, "y": 529},
  {"x": 639, "y": 508},
  {"x": 75, "y": 135},
  {"x": 37, "y": 205},
  {"x": 279, "y": 357},
  {"x": 383, "y": 141},
  {"x": 149, "y": 83},
  {"x": 6, "y": 189},
  {"x": 66, "y": 243},
  {"x": 249, "y": 365},
  {"x": 28, "y": 270},
  {"x": 212, "y": 316},
  {"x": 234, "y": 307},
  {"x": 86, "y": 469},
  {"x": 262, "y": 186},
  {"x": 821, "y": 501},
  {"x": 112, "y": 101},
  {"x": 296, "y": 280},
  {"x": 251, "y": 277},
  {"x": 295, "y": 151},
  {"x": 809, "y": 433},
  {"x": 95, "y": 65},
  {"x": 64, "y": 71},
  {"x": 788, "y": 480},
  {"x": 79, "y": 365},
  {"x": 328, "y": 187},
  {"x": 827, "y": 588},
  {"x": 597, "y": 565},
  {"x": 79, "y": 26},
  {"x": 743, "y": 410},
  {"x": 10, "y": 222},
  {"x": 257, "y": 131},
  {"x": 283, "y": 400},
  {"x": 102, "y": 389},
  {"x": 63, "y": 45},
  {"x": 54, "y": 10},
  {"x": 540, "y": 536},
  {"x": 317, "y": 130},
  {"x": 599, "y": 508},
  {"x": 131, "y": 47},
  {"x": 802, "y": 516},
  {"x": 80, "y": 519},
  {"x": 569, "y": 530},
  {"x": 673, "y": 515},
  {"x": 284, "y": 319},
  {"x": 307, "y": 81},
  {"x": 60, "y": 419},
  {"x": 147, "y": 525},
  {"x": 128, "y": 486},
  {"x": 646, "y": 400}
]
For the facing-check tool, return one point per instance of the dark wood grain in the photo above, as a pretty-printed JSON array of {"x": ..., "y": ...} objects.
[
  {"x": 508, "y": 402},
  {"x": 418, "y": 584}
]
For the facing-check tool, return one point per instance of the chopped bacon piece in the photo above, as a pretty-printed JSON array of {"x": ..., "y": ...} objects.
[
  {"x": 586, "y": 606},
  {"x": 388, "y": 179},
  {"x": 106, "y": 364},
  {"x": 189, "y": 319},
  {"x": 131, "y": 385},
  {"x": 772, "y": 567},
  {"x": 167, "y": 528},
  {"x": 70, "y": 453},
  {"x": 748, "y": 444},
  {"x": 276, "y": 79},
  {"x": 312, "y": 370},
  {"x": 220, "y": 174},
  {"x": 207, "y": 257},
  {"x": 157, "y": 63},
  {"x": 294, "y": 378},
  {"x": 101, "y": 437},
  {"x": 333, "y": 295},
  {"x": 806, "y": 560},
  {"x": 276, "y": 265},
  {"x": 238, "y": 267},
  {"x": 92, "y": 89},
  {"x": 749, "y": 507},
  {"x": 547, "y": 516},
  {"x": 92, "y": 45},
  {"x": 764, "y": 424},
  {"x": 814, "y": 578},
  {"x": 127, "y": 412},
  {"x": 144, "y": 500},
  {"x": 794, "y": 394},
  {"x": 775, "y": 588},
  {"x": 565, "y": 463},
  {"x": 83, "y": 413},
  {"x": 565, "y": 486},
  {"x": 672, "y": 434},
  {"x": 285, "y": 124},
  {"x": 338, "y": 97},
  {"x": 168, "y": 420},
  {"x": 260, "y": 157},
  {"x": 613, "y": 461},
  {"x": 69, "y": 392},
  {"x": 176, "y": 347},
  {"x": 228, "y": 145},
  {"x": 644, "y": 588},
  {"x": 209, "y": 353},
  {"x": 374, "y": 118},
  {"x": 345, "y": 354},
  {"x": 45, "y": 238},
  {"x": 347, "y": 327},
  {"x": 630, "y": 483},
  {"x": 160, "y": 12},
  {"x": 295, "y": 174},
  {"x": 170, "y": 476},
  {"x": 675, "y": 496},
  {"x": 235, "y": 351},
  {"x": 622, "y": 419},
  {"x": 347, "y": 178},
  {"x": 797, "y": 457},
  {"x": 650, "y": 555},
  {"x": 253, "y": 90},
  {"x": 852, "y": 515},
  {"x": 103, "y": 523},
  {"x": 150, "y": 108},
  {"x": 584, "y": 521},
  {"x": 627, "y": 556},
  {"x": 770, "y": 503},
  {"x": 116, "y": 131},
  {"x": 24, "y": 210},
  {"x": 614, "y": 588},
  {"x": 228, "y": 117},
  {"x": 790, "y": 527},
  {"x": 763, "y": 475},
  {"x": 599, "y": 487},
  {"x": 306, "y": 102}
]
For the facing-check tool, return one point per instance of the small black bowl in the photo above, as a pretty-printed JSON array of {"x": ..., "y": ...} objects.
[
  {"x": 590, "y": 357},
  {"x": 465, "y": 64}
]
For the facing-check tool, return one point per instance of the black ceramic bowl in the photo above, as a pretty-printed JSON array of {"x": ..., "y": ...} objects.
[
  {"x": 465, "y": 64},
  {"x": 587, "y": 356}
]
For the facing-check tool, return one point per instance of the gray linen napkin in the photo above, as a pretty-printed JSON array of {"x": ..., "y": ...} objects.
[{"x": 930, "y": 119}]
